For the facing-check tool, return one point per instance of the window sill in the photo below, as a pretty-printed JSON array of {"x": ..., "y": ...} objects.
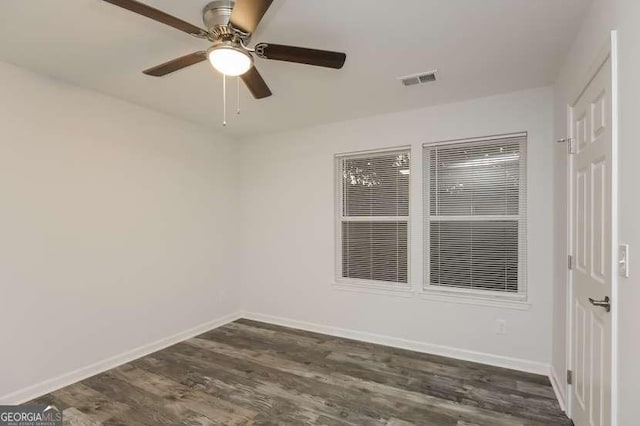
[
  {"x": 373, "y": 288},
  {"x": 475, "y": 299},
  {"x": 437, "y": 295}
]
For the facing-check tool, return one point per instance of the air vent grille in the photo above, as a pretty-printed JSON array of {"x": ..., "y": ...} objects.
[
  {"x": 410, "y": 81},
  {"x": 422, "y": 78},
  {"x": 427, "y": 78}
]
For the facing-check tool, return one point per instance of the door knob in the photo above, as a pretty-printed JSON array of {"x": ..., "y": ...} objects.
[{"x": 605, "y": 303}]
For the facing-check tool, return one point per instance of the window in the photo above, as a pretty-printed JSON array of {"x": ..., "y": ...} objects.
[
  {"x": 475, "y": 216},
  {"x": 373, "y": 218}
]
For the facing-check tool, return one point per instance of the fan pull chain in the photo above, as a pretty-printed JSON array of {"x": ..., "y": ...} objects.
[
  {"x": 224, "y": 100},
  {"x": 238, "y": 93}
]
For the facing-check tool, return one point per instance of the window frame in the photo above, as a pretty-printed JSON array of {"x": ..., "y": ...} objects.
[
  {"x": 344, "y": 283},
  {"x": 519, "y": 300}
]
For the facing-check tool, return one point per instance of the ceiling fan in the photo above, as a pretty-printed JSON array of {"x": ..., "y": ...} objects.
[{"x": 230, "y": 25}]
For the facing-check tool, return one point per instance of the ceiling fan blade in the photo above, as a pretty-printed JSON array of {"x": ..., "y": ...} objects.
[
  {"x": 247, "y": 14},
  {"x": 176, "y": 64},
  {"x": 158, "y": 15},
  {"x": 256, "y": 84},
  {"x": 301, "y": 55}
]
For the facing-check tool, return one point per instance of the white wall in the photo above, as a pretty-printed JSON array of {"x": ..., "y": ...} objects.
[
  {"x": 288, "y": 223},
  {"x": 604, "y": 16},
  {"x": 115, "y": 223}
]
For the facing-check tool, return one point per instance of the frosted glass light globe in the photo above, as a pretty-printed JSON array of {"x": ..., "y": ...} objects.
[{"x": 230, "y": 61}]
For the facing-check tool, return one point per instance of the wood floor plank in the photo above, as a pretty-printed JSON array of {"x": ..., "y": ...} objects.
[
  {"x": 507, "y": 400},
  {"x": 74, "y": 417},
  {"x": 270, "y": 385},
  {"x": 436, "y": 405},
  {"x": 381, "y": 349},
  {"x": 536, "y": 389},
  {"x": 344, "y": 352},
  {"x": 398, "y": 422},
  {"x": 249, "y": 372},
  {"x": 146, "y": 408},
  {"x": 97, "y": 406},
  {"x": 223, "y": 384},
  {"x": 176, "y": 394}
]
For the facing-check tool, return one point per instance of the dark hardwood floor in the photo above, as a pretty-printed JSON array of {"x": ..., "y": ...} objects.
[{"x": 254, "y": 373}]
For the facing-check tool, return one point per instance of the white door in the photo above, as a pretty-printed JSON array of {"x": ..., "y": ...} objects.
[{"x": 591, "y": 122}]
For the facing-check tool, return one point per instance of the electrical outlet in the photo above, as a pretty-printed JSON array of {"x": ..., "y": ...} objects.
[{"x": 501, "y": 326}]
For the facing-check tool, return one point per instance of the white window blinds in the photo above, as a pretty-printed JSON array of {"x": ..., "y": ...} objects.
[
  {"x": 475, "y": 215},
  {"x": 373, "y": 200}
]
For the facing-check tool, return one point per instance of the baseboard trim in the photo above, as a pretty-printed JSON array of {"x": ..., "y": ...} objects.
[
  {"x": 50, "y": 385},
  {"x": 26, "y": 394},
  {"x": 451, "y": 352},
  {"x": 558, "y": 388}
]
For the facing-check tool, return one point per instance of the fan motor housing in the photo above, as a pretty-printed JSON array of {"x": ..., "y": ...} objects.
[{"x": 216, "y": 15}]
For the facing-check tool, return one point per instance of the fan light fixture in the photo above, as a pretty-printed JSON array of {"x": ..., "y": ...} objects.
[
  {"x": 229, "y": 26},
  {"x": 230, "y": 60}
]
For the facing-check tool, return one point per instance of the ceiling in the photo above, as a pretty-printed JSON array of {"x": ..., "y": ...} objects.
[{"x": 479, "y": 47}]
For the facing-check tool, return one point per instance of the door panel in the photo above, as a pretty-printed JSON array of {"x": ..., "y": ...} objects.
[
  {"x": 599, "y": 116},
  {"x": 591, "y": 229},
  {"x": 581, "y": 346},
  {"x": 581, "y": 221},
  {"x": 581, "y": 132},
  {"x": 598, "y": 225},
  {"x": 597, "y": 372}
]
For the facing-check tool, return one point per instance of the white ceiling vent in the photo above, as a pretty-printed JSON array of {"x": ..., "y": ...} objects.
[{"x": 412, "y": 80}]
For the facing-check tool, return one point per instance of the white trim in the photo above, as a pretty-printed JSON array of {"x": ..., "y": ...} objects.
[
  {"x": 389, "y": 286},
  {"x": 66, "y": 379},
  {"x": 615, "y": 238},
  {"x": 476, "y": 296},
  {"x": 468, "y": 297},
  {"x": 351, "y": 284},
  {"x": 374, "y": 288},
  {"x": 608, "y": 51},
  {"x": 528, "y": 366},
  {"x": 50, "y": 385},
  {"x": 488, "y": 138},
  {"x": 474, "y": 292},
  {"x": 478, "y": 218},
  {"x": 369, "y": 152},
  {"x": 558, "y": 389},
  {"x": 569, "y": 274}
]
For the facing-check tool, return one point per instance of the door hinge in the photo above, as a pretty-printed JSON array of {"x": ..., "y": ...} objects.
[
  {"x": 570, "y": 262},
  {"x": 569, "y": 377},
  {"x": 571, "y": 144}
]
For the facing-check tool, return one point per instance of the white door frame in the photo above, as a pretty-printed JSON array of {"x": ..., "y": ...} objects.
[{"x": 609, "y": 51}]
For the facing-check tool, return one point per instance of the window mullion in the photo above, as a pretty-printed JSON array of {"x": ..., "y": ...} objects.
[
  {"x": 374, "y": 218},
  {"x": 478, "y": 218}
]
